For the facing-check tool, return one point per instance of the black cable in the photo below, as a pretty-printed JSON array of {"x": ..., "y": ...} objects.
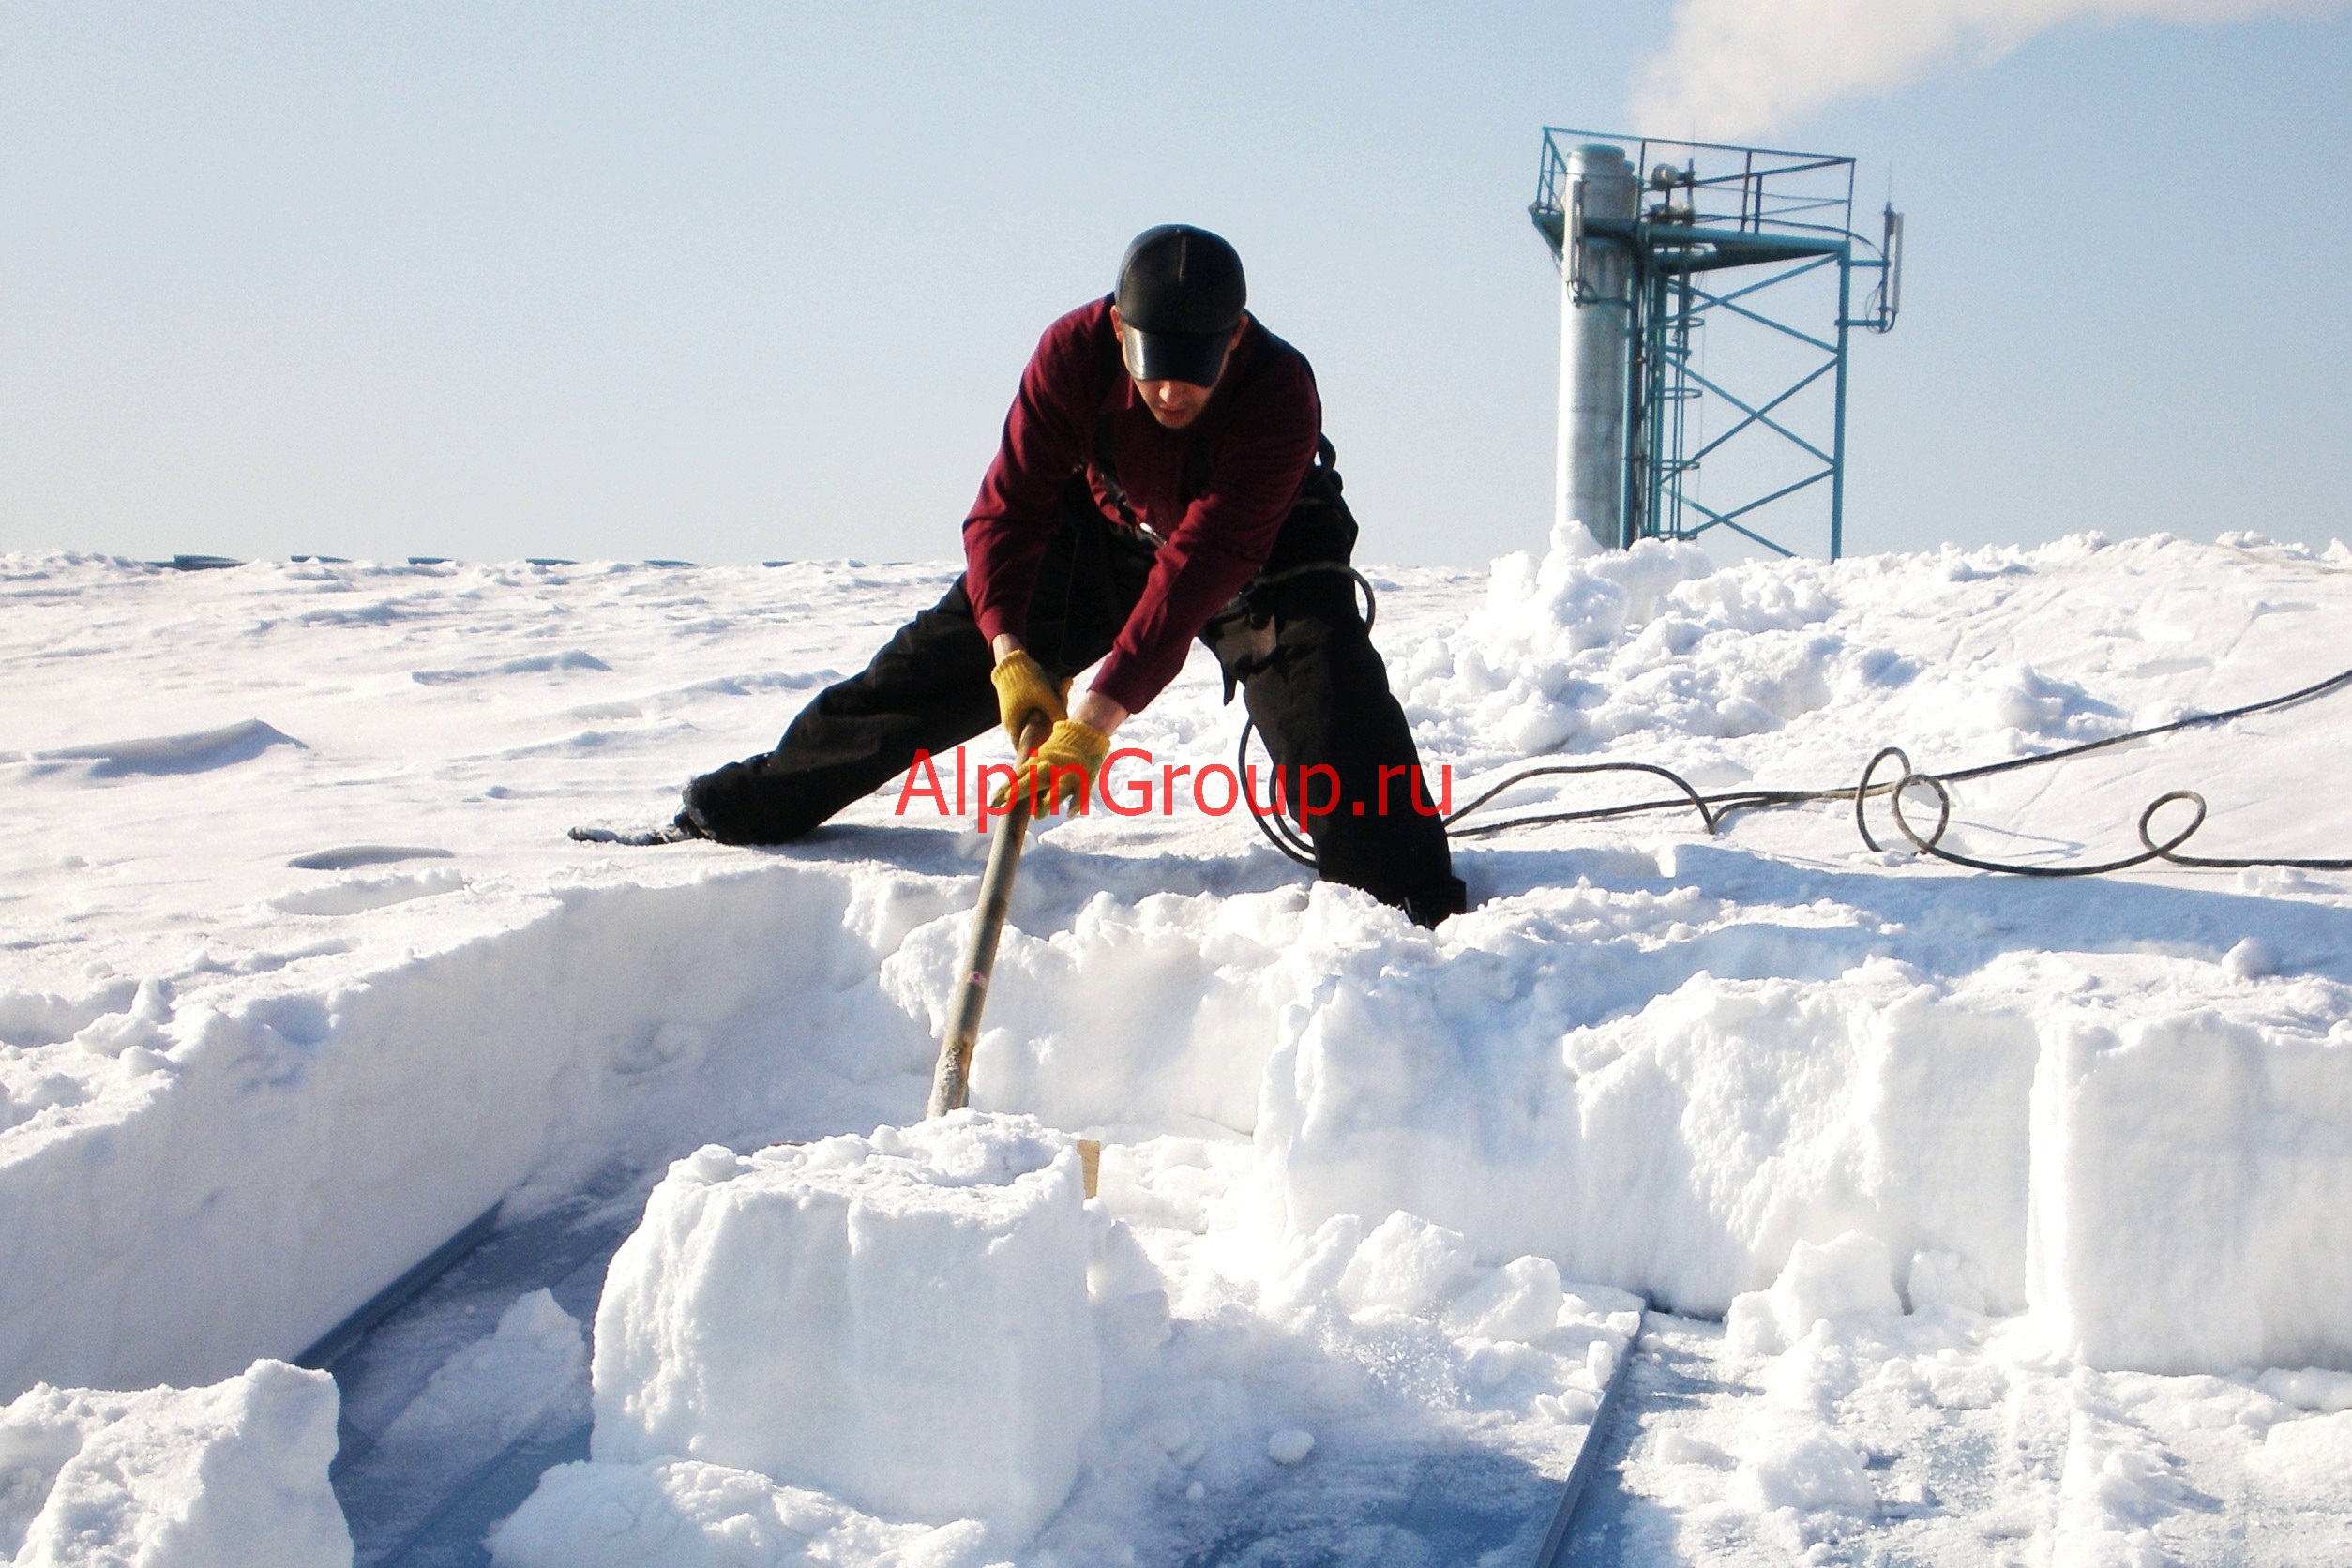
[
  {"x": 1275, "y": 825},
  {"x": 1714, "y": 809},
  {"x": 1702, "y": 803}
]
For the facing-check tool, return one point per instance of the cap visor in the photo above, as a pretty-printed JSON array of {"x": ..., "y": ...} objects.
[{"x": 1192, "y": 357}]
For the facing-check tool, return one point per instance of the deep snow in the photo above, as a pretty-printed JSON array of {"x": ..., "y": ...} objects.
[{"x": 300, "y": 975}]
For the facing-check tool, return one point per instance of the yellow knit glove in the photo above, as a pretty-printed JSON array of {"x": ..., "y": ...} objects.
[
  {"x": 1069, "y": 766},
  {"x": 1021, "y": 690}
]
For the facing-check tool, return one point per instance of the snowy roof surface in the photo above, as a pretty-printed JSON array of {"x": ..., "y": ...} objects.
[{"x": 299, "y": 971}]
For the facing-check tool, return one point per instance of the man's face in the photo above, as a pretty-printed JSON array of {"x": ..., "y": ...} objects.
[{"x": 1178, "y": 404}]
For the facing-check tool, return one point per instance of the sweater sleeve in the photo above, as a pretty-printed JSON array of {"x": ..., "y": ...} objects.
[
  {"x": 1225, "y": 537},
  {"x": 1045, "y": 442}
]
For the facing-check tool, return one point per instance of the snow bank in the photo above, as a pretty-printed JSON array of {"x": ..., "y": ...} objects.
[
  {"x": 900, "y": 1321},
  {"x": 2165, "y": 1187},
  {"x": 1588, "y": 645},
  {"x": 1684, "y": 1149},
  {"x": 218, "y": 1477},
  {"x": 240, "y": 1173}
]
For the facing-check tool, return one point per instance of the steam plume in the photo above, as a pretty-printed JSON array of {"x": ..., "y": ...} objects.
[{"x": 1744, "y": 68}]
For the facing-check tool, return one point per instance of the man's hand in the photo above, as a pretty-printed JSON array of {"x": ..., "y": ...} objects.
[
  {"x": 1022, "y": 692},
  {"x": 1069, "y": 765},
  {"x": 1098, "y": 712}
]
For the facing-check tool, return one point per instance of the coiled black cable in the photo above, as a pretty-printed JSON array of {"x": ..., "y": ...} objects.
[{"x": 1714, "y": 809}]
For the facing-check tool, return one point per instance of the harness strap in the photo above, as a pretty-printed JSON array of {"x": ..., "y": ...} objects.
[{"x": 1106, "y": 469}]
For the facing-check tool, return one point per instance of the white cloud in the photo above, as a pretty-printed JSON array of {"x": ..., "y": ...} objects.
[{"x": 1745, "y": 67}]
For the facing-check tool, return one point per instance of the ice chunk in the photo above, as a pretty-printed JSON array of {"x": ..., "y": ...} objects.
[
  {"x": 1406, "y": 1264},
  {"x": 1676, "y": 1447},
  {"x": 2250, "y": 959},
  {"x": 2019, "y": 697},
  {"x": 1519, "y": 1300},
  {"x": 1289, "y": 1446},
  {"x": 900, "y": 1321},
  {"x": 1850, "y": 1275},
  {"x": 2312, "y": 1388},
  {"x": 218, "y": 1477},
  {"x": 1809, "y": 1469},
  {"x": 1945, "y": 1280}
]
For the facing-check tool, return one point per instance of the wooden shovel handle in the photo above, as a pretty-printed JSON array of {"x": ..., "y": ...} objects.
[{"x": 951, "y": 1076}]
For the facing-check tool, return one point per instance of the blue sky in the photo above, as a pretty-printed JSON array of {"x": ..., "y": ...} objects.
[{"x": 742, "y": 282}]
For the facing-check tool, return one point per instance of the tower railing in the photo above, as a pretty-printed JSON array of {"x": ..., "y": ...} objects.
[{"x": 1707, "y": 209}]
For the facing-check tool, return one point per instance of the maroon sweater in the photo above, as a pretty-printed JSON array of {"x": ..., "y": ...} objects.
[{"x": 1260, "y": 436}]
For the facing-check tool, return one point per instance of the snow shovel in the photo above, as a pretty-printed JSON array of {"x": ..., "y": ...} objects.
[{"x": 951, "y": 1079}]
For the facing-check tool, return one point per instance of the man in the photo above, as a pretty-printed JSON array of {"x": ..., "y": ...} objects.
[{"x": 1162, "y": 476}]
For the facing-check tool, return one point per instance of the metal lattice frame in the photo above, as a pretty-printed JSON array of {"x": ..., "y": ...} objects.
[{"x": 1711, "y": 208}]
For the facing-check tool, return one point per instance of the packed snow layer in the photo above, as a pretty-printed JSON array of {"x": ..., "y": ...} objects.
[
  {"x": 1821, "y": 1424},
  {"x": 218, "y": 1477},
  {"x": 299, "y": 974},
  {"x": 689, "y": 1514},
  {"x": 527, "y": 1377},
  {"x": 900, "y": 1320}
]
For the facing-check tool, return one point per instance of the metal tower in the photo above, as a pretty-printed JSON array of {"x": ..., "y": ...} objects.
[{"x": 1641, "y": 259}]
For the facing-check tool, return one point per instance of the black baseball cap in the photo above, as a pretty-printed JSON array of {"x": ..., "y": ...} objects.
[{"x": 1180, "y": 296}]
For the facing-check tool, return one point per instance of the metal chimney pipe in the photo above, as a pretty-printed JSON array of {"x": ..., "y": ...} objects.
[{"x": 1595, "y": 339}]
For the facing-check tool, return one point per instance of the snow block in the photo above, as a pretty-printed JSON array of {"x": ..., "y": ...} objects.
[
  {"x": 2191, "y": 1173},
  {"x": 218, "y": 1477},
  {"x": 899, "y": 1320}
]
